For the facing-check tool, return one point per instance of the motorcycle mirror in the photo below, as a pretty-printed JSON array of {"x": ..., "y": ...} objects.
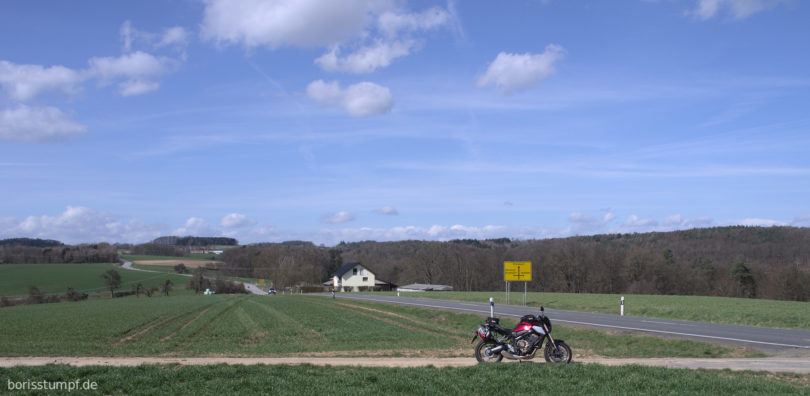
[{"x": 542, "y": 309}]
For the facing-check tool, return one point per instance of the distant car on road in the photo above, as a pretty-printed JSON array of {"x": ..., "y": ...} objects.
[{"x": 272, "y": 290}]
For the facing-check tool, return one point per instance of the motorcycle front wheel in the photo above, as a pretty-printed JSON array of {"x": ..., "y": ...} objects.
[
  {"x": 561, "y": 355},
  {"x": 484, "y": 354}
]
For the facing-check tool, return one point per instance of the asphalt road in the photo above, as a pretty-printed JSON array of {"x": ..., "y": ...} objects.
[{"x": 761, "y": 338}]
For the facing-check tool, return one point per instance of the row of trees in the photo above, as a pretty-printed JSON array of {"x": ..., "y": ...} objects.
[
  {"x": 772, "y": 262},
  {"x": 85, "y": 253}
]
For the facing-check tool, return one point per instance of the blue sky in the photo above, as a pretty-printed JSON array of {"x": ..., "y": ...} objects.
[{"x": 390, "y": 120}]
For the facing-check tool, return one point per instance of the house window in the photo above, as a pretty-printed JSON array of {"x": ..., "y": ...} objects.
[
  {"x": 365, "y": 279},
  {"x": 354, "y": 271}
]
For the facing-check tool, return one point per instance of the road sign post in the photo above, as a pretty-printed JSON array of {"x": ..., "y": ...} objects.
[{"x": 520, "y": 271}]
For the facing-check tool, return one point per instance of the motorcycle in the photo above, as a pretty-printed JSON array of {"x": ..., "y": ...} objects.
[{"x": 522, "y": 343}]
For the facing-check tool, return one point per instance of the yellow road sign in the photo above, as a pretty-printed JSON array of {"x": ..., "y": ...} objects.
[
  {"x": 517, "y": 271},
  {"x": 261, "y": 280}
]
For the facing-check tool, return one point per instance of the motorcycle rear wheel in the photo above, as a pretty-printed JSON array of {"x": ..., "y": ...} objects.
[
  {"x": 561, "y": 355},
  {"x": 483, "y": 354}
]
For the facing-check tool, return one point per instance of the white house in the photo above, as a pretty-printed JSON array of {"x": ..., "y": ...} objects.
[{"x": 351, "y": 277}]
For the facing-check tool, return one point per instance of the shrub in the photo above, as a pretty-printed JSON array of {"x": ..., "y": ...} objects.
[
  {"x": 35, "y": 296},
  {"x": 228, "y": 287},
  {"x": 73, "y": 295}
]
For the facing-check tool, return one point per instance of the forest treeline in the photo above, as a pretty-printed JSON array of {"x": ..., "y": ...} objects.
[
  {"x": 737, "y": 261},
  {"x": 34, "y": 251},
  {"x": 31, "y": 242},
  {"x": 195, "y": 241}
]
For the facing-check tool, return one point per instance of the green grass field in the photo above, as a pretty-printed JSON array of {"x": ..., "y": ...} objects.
[
  {"x": 55, "y": 278},
  {"x": 521, "y": 379},
  {"x": 740, "y": 311},
  {"x": 250, "y": 325}
]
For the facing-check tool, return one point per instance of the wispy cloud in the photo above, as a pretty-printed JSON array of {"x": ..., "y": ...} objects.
[
  {"x": 737, "y": 9},
  {"x": 337, "y": 217}
]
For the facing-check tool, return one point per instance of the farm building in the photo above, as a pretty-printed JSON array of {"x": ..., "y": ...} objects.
[
  {"x": 421, "y": 287},
  {"x": 356, "y": 277}
]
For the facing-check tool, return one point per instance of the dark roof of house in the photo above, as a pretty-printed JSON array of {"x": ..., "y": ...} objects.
[{"x": 345, "y": 268}]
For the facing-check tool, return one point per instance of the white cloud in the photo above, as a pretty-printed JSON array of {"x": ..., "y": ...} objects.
[
  {"x": 282, "y": 23},
  {"x": 375, "y": 31},
  {"x": 337, "y": 218},
  {"x": 392, "y": 23},
  {"x": 136, "y": 67},
  {"x": 127, "y": 35},
  {"x": 197, "y": 227},
  {"x": 738, "y": 9},
  {"x": 366, "y": 59},
  {"x": 674, "y": 220},
  {"x": 517, "y": 72},
  {"x": 635, "y": 224},
  {"x": 136, "y": 87},
  {"x": 174, "y": 36},
  {"x": 677, "y": 222},
  {"x": 801, "y": 221},
  {"x": 37, "y": 124},
  {"x": 79, "y": 224},
  {"x": 586, "y": 224},
  {"x": 24, "y": 82},
  {"x": 378, "y": 51},
  {"x": 387, "y": 210},
  {"x": 359, "y": 100},
  {"x": 236, "y": 220},
  {"x": 760, "y": 222},
  {"x": 133, "y": 65}
]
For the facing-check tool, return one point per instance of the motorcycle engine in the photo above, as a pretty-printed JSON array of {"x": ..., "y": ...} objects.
[{"x": 524, "y": 345}]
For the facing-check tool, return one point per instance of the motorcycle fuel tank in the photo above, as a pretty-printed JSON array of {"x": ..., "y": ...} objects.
[
  {"x": 539, "y": 329},
  {"x": 522, "y": 326}
]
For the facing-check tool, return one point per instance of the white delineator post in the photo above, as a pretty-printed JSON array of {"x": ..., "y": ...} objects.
[
  {"x": 491, "y": 307},
  {"x": 621, "y": 310}
]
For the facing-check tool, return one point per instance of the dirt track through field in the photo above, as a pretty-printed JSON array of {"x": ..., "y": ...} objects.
[
  {"x": 791, "y": 365},
  {"x": 186, "y": 324}
]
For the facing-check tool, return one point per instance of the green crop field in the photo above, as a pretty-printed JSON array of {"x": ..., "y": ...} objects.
[
  {"x": 250, "y": 325},
  {"x": 739, "y": 311},
  {"x": 521, "y": 379},
  {"x": 55, "y": 278}
]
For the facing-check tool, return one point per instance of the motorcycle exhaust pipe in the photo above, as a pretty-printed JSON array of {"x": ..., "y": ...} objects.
[{"x": 509, "y": 355}]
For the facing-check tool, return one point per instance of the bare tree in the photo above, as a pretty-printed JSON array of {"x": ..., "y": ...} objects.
[{"x": 112, "y": 279}]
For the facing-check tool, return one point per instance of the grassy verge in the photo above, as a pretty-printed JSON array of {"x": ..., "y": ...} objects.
[
  {"x": 739, "y": 311},
  {"x": 477, "y": 380},
  {"x": 247, "y": 325},
  {"x": 86, "y": 278}
]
